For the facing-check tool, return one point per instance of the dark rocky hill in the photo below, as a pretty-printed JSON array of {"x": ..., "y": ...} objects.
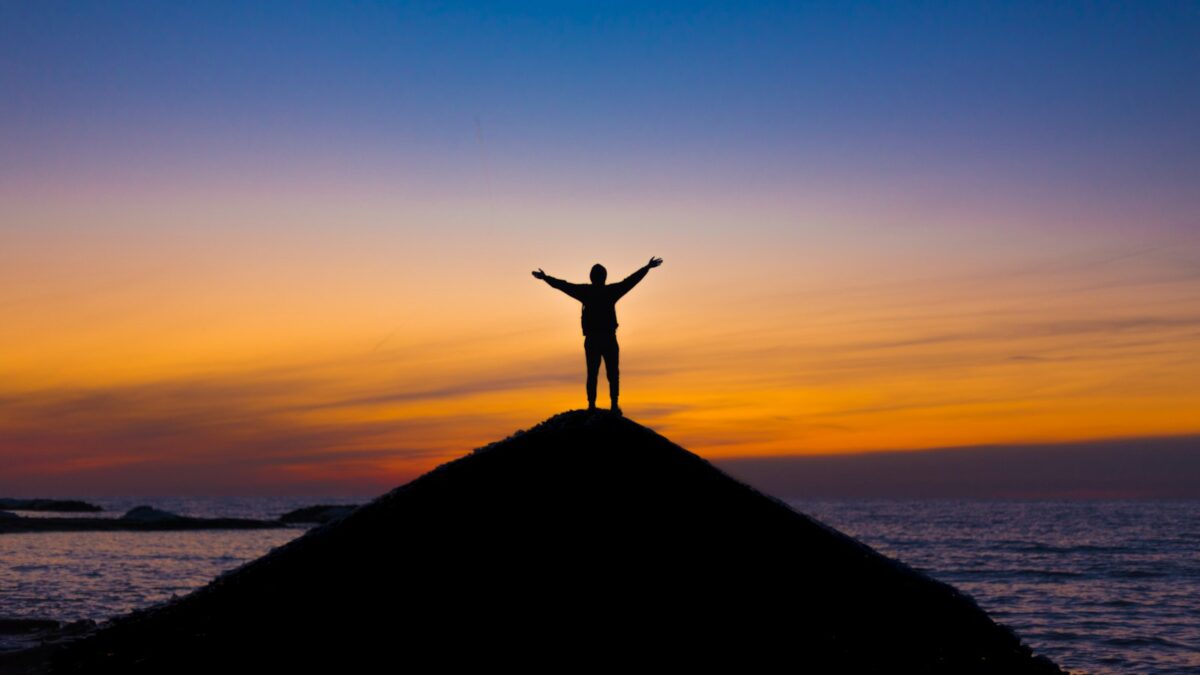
[{"x": 587, "y": 540}]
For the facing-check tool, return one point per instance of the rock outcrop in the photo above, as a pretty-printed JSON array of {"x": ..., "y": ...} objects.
[
  {"x": 149, "y": 514},
  {"x": 586, "y": 541},
  {"x": 63, "y": 505},
  {"x": 139, "y": 518}
]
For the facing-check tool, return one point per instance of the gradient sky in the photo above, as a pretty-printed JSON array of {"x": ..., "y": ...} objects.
[{"x": 285, "y": 248}]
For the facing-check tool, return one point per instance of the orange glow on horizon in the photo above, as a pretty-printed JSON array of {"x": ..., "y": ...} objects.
[{"x": 290, "y": 354}]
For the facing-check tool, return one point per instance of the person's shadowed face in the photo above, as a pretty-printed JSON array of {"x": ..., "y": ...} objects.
[{"x": 599, "y": 274}]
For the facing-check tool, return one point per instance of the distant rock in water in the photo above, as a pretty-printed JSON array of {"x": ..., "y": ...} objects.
[
  {"x": 585, "y": 541},
  {"x": 139, "y": 518},
  {"x": 71, "y": 505},
  {"x": 149, "y": 514},
  {"x": 321, "y": 513}
]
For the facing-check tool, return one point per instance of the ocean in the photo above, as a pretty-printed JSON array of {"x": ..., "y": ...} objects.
[{"x": 1098, "y": 586}]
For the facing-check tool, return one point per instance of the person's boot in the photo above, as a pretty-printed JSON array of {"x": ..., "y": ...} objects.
[{"x": 616, "y": 410}]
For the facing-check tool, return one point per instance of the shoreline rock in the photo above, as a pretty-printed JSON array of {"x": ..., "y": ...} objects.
[{"x": 31, "y": 634}]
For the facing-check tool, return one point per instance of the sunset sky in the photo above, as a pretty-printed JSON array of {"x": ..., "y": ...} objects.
[{"x": 286, "y": 248}]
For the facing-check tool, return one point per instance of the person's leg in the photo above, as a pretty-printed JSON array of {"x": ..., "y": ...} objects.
[
  {"x": 592, "y": 356},
  {"x": 612, "y": 368}
]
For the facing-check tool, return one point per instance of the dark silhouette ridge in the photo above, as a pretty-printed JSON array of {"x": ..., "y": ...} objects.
[
  {"x": 63, "y": 505},
  {"x": 599, "y": 322},
  {"x": 139, "y": 518},
  {"x": 586, "y": 540}
]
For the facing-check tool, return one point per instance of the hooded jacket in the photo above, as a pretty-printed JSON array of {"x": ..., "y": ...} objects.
[{"x": 599, "y": 300}]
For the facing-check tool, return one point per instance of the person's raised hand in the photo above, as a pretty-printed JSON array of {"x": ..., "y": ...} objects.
[
  {"x": 539, "y": 274},
  {"x": 655, "y": 262}
]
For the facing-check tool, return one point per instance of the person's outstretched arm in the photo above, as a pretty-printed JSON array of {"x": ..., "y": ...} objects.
[
  {"x": 625, "y": 285},
  {"x": 573, "y": 290}
]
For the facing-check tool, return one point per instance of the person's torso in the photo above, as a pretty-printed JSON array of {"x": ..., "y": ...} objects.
[{"x": 599, "y": 311}]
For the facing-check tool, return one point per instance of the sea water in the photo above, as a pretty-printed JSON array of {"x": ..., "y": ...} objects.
[
  {"x": 1099, "y": 587},
  {"x": 68, "y": 576}
]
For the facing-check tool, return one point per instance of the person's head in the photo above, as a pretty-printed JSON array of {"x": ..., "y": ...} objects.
[{"x": 599, "y": 274}]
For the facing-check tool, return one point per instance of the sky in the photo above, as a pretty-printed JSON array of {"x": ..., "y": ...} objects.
[{"x": 285, "y": 248}]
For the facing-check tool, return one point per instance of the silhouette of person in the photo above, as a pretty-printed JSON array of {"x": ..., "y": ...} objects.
[{"x": 599, "y": 322}]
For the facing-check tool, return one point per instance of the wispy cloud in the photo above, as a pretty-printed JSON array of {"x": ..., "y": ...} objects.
[
  {"x": 250, "y": 423},
  {"x": 1043, "y": 349}
]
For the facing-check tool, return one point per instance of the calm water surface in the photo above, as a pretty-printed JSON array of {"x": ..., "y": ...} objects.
[
  {"x": 97, "y": 575},
  {"x": 1100, "y": 587}
]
